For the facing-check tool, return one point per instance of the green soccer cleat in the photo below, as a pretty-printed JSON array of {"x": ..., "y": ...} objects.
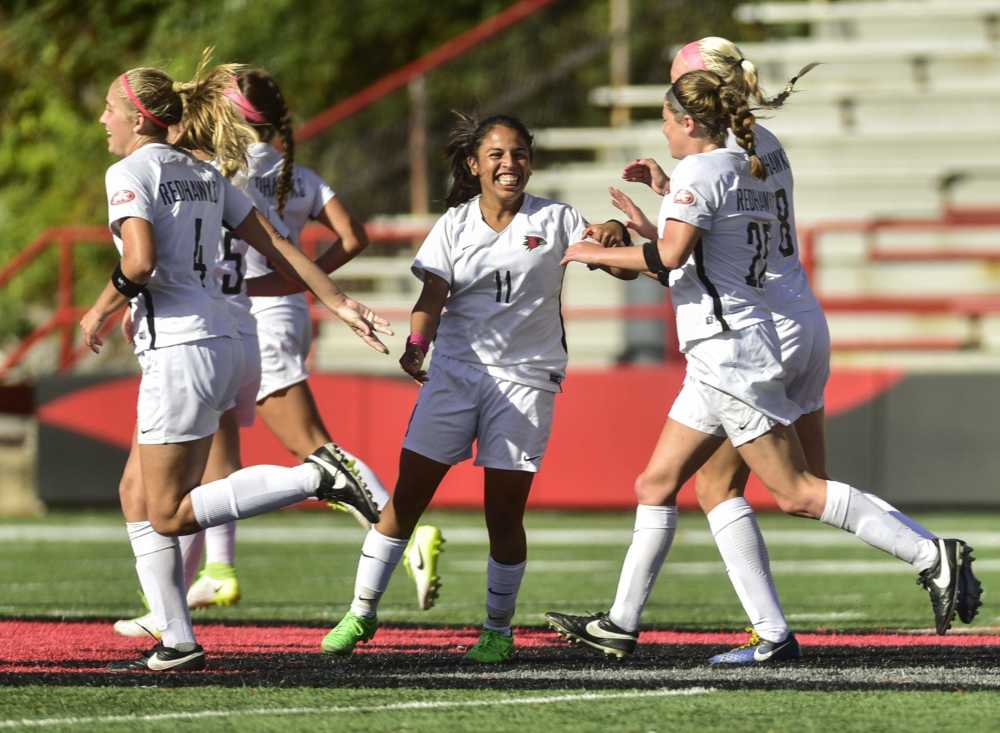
[
  {"x": 351, "y": 631},
  {"x": 492, "y": 648},
  {"x": 216, "y": 586},
  {"x": 420, "y": 560}
]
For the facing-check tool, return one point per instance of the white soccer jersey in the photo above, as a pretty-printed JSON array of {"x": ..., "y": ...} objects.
[
  {"x": 231, "y": 267},
  {"x": 187, "y": 202},
  {"x": 503, "y": 313},
  {"x": 305, "y": 201},
  {"x": 788, "y": 288},
  {"x": 721, "y": 286}
]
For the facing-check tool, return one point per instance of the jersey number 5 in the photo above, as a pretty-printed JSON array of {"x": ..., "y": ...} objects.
[
  {"x": 759, "y": 236},
  {"x": 231, "y": 287}
]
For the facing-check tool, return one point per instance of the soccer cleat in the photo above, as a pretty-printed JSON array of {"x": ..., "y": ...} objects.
[
  {"x": 941, "y": 581},
  {"x": 138, "y": 627},
  {"x": 492, "y": 648},
  {"x": 351, "y": 631},
  {"x": 970, "y": 590},
  {"x": 760, "y": 651},
  {"x": 595, "y": 630},
  {"x": 340, "y": 481},
  {"x": 216, "y": 586},
  {"x": 339, "y": 506},
  {"x": 420, "y": 560},
  {"x": 163, "y": 659}
]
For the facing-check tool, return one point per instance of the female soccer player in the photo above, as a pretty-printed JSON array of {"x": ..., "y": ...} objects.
[
  {"x": 715, "y": 230},
  {"x": 166, "y": 209},
  {"x": 500, "y": 356}
]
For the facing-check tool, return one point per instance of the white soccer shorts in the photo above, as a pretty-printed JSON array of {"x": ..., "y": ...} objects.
[
  {"x": 285, "y": 335},
  {"x": 459, "y": 404},
  {"x": 734, "y": 386},
  {"x": 805, "y": 354},
  {"x": 185, "y": 389},
  {"x": 246, "y": 397}
]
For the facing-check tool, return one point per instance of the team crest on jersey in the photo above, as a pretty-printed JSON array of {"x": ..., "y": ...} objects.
[
  {"x": 684, "y": 197},
  {"x": 122, "y": 197},
  {"x": 532, "y": 241}
]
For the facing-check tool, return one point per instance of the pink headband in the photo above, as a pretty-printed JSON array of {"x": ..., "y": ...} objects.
[
  {"x": 139, "y": 105},
  {"x": 249, "y": 112},
  {"x": 691, "y": 54}
]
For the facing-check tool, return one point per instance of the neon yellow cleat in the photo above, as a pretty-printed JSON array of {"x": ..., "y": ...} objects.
[
  {"x": 492, "y": 648},
  {"x": 420, "y": 560},
  {"x": 216, "y": 586},
  {"x": 351, "y": 631}
]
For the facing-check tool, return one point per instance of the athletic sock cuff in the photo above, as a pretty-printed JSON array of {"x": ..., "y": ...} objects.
[
  {"x": 729, "y": 511},
  {"x": 655, "y": 517},
  {"x": 145, "y": 540},
  {"x": 381, "y": 547}
]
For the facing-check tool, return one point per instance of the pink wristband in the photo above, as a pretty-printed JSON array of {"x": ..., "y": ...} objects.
[{"x": 419, "y": 340}]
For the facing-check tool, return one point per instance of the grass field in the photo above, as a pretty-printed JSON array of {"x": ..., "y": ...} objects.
[{"x": 870, "y": 662}]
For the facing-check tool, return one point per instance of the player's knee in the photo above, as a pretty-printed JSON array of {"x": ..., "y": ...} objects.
[
  {"x": 712, "y": 493},
  {"x": 799, "y": 499},
  {"x": 167, "y": 525},
  {"x": 652, "y": 489}
]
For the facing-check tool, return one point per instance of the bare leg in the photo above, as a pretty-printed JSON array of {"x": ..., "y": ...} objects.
[{"x": 506, "y": 494}]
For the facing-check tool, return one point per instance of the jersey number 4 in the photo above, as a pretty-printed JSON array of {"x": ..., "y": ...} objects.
[
  {"x": 759, "y": 237},
  {"x": 199, "y": 253}
]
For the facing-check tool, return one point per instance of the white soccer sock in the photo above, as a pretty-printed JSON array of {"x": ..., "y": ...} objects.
[
  {"x": 908, "y": 521},
  {"x": 192, "y": 550},
  {"x": 379, "y": 494},
  {"x": 654, "y": 531},
  {"x": 734, "y": 526},
  {"x": 220, "y": 544},
  {"x": 502, "y": 584},
  {"x": 158, "y": 565},
  {"x": 251, "y": 491},
  {"x": 379, "y": 557},
  {"x": 853, "y": 510}
]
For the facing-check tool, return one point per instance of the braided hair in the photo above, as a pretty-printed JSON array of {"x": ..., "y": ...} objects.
[
  {"x": 260, "y": 88},
  {"x": 718, "y": 107},
  {"x": 463, "y": 143}
]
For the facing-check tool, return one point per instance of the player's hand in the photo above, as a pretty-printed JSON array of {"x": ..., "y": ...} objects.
[
  {"x": 637, "y": 220},
  {"x": 91, "y": 324},
  {"x": 412, "y": 362},
  {"x": 128, "y": 326},
  {"x": 586, "y": 252},
  {"x": 648, "y": 171},
  {"x": 365, "y": 322},
  {"x": 607, "y": 234}
]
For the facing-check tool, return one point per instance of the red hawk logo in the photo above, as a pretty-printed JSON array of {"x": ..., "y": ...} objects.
[
  {"x": 533, "y": 242},
  {"x": 684, "y": 197},
  {"x": 122, "y": 197}
]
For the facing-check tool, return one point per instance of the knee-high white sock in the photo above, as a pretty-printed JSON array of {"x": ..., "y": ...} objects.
[
  {"x": 220, "y": 544},
  {"x": 371, "y": 479},
  {"x": 734, "y": 526},
  {"x": 502, "y": 585},
  {"x": 251, "y": 491},
  {"x": 654, "y": 531},
  {"x": 908, "y": 521},
  {"x": 192, "y": 551},
  {"x": 853, "y": 510},
  {"x": 158, "y": 565},
  {"x": 379, "y": 557}
]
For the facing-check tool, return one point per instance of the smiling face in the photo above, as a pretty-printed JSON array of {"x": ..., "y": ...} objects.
[
  {"x": 120, "y": 120},
  {"x": 502, "y": 164}
]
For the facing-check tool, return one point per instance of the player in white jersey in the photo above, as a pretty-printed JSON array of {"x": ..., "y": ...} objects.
[
  {"x": 166, "y": 209},
  {"x": 490, "y": 303},
  {"x": 714, "y": 237},
  {"x": 805, "y": 355}
]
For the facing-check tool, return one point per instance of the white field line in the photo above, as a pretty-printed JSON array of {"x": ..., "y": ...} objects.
[
  {"x": 342, "y": 709},
  {"x": 813, "y": 536}
]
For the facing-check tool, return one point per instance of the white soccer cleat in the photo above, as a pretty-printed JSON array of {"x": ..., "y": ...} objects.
[
  {"x": 138, "y": 627},
  {"x": 420, "y": 560},
  {"x": 216, "y": 586}
]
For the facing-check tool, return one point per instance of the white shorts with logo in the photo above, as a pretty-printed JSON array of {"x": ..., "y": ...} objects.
[
  {"x": 459, "y": 404},
  {"x": 734, "y": 386},
  {"x": 805, "y": 354},
  {"x": 285, "y": 335},
  {"x": 185, "y": 389},
  {"x": 246, "y": 397}
]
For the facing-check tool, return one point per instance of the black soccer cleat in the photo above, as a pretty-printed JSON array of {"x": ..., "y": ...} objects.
[
  {"x": 941, "y": 581},
  {"x": 163, "y": 659},
  {"x": 970, "y": 590},
  {"x": 596, "y": 630},
  {"x": 341, "y": 482}
]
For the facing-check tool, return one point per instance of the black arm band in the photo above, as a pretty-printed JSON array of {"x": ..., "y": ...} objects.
[
  {"x": 651, "y": 253},
  {"x": 626, "y": 237},
  {"x": 123, "y": 285}
]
